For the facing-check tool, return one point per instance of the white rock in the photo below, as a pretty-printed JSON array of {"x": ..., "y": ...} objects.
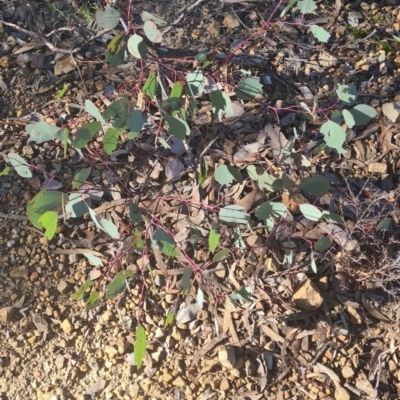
[{"x": 392, "y": 111}]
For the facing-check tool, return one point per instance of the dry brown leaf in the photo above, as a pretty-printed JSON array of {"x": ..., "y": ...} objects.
[
  {"x": 247, "y": 201},
  {"x": 248, "y": 153},
  {"x": 205, "y": 349},
  {"x": 272, "y": 334},
  {"x": 374, "y": 312},
  {"x": 339, "y": 235},
  {"x": 277, "y": 139}
]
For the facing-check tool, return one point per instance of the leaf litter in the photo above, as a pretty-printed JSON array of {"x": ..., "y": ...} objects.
[{"x": 234, "y": 197}]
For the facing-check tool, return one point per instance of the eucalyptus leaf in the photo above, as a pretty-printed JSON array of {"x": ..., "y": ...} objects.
[
  {"x": 234, "y": 214},
  {"x": 225, "y": 175},
  {"x": 20, "y": 165},
  {"x": 316, "y": 185}
]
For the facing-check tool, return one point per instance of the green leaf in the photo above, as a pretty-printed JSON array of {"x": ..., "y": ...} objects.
[
  {"x": 334, "y": 136},
  {"x": 110, "y": 228},
  {"x": 137, "y": 46},
  {"x": 134, "y": 213},
  {"x": 169, "y": 320},
  {"x": 116, "y": 59},
  {"x": 150, "y": 86},
  {"x": 96, "y": 261},
  {"x": 94, "y": 111},
  {"x": 313, "y": 263},
  {"x": 75, "y": 206},
  {"x": 114, "y": 47},
  {"x": 49, "y": 222},
  {"x": 225, "y": 175},
  {"x": 93, "y": 301},
  {"x": 348, "y": 118},
  {"x": 171, "y": 105},
  {"x": 94, "y": 218},
  {"x": 151, "y": 31},
  {"x": 288, "y": 7},
  {"x": 110, "y": 141},
  {"x": 140, "y": 346},
  {"x": 384, "y": 224},
  {"x": 310, "y": 212},
  {"x": 315, "y": 185},
  {"x": 135, "y": 123},
  {"x": 177, "y": 127},
  {"x": 269, "y": 182},
  {"x": 33, "y": 215},
  {"x": 167, "y": 245},
  {"x": 187, "y": 274},
  {"x": 81, "y": 177},
  {"x": 43, "y": 132},
  {"x": 213, "y": 238},
  {"x": 49, "y": 200},
  {"x": 62, "y": 91},
  {"x": 119, "y": 107},
  {"x": 347, "y": 93},
  {"x": 234, "y": 214},
  {"x": 81, "y": 291},
  {"x": 244, "y": 294},
  {"x": 118, "y": 284},
  {"x": 396, "y": 38},
  {"x": 306, "y": 6},
  {"x": 332, "y": 217},
  {"x": 85, "y": 134},
  {"x": 176, "y": 90},
  {"x": 271, "y": 209},
  {"x": 146, "y": 16},
  {"x": 107, "y": 19},
  {"x": 5, "y": 171},
  {"x": 254, "y": 172},
  {"x": 195, "y": 82},
  {"x": 249, "y": 88},
  {"x": 363, "y": 113},
  {"x": 203, "y": 171},
  {"x": 20, "y": 165},
  {"x": 323, "y": 244},
  {"x": 320, "y": 33},
  {"x": 221, "y": 103},
  {"x": 220, "y": 255}
]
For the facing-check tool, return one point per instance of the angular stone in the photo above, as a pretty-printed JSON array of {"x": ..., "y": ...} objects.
[
  {"x": 307, "y": 296},
  {"x": 341, "y": 393},
  {"x": 227, "y": 357},
  {"x": 6, "y": 314},
  {"x": 347, "y": 372},
  {"x": 67, "y": 326},
  {"x": 392, "y": 111},
  {"x": 20, "y": 272}
]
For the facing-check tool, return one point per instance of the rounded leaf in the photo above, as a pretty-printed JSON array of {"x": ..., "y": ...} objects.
[
  {"x": 20, "y": 165},
  {"x": 323, "y": 244},
  {"x": 137, "y": 46},
  {"x": 151, "y": 31},
  {"x": 363, "y": 113},
  {"x": 107, "y": 19},
  {"x": 225, "y": 175},
  {"x": 315, "y": 185},
  {"x": 310, "y": 212}
]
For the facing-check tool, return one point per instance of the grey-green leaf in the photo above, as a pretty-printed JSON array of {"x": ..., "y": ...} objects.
[
  {"x": 310, "y": 212},
  {"x": 20, "y": 165},
  {"x": 151, "y": 31},
  {"x": 137, "y": 46},
  {"x": 94, "y": 111},
  {"x": 320, "y": 33},
  {"x": 234, "y": 214},
  {"x": 107, "y": 19},
  {"x": 315, "y": 185},
  {"x": 249, "y": 88},
  {"x": 177, "y": 127},
  {"x": 43, "y": 132},
  {"x": 363, "y": 113},
  {"x": 225, "y": 175}
]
